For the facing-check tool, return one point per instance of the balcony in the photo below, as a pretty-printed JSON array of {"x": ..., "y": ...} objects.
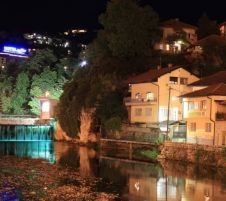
[
  {"x": 142, "y": 101},
  {"x": 220, "y": 116},
  {"x": 195, "y": 114}
]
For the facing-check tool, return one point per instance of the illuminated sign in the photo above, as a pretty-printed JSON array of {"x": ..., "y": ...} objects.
[{"x": 14, "y": 50}]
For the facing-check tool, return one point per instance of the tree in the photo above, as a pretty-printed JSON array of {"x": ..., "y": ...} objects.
[
  {"x": 41, "y": 83},
  {"x": 124, "y": 46},
  {"x": 207, "y": 27},
  {"x": 6, "y": 87},
  {"x": 39, "y": 60},
  {"x": 20, "y": 94},
  {"x": 129, "y": 30}
]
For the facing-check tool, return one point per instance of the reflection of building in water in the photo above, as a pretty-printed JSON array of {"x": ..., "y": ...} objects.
[
  {"x": 146, "y": 182},
  {"x": 142, "y": 188},
  {"x": 206, "y": 190}
]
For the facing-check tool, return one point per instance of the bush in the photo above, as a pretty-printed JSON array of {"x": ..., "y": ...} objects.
[
  {"x": 224, "y": 152},
  {"x": 151, "y": 154},
  {"x": 113, "y": 124},
  {"x": 199, "y": 153}
]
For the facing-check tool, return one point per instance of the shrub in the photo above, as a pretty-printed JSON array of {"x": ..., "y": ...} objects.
[
  {"x": 113, "y": 124},
  {"x": 199, "y": 153},
  {"x": 224, "y": 152},
  {"x": 151, "y": 154}
]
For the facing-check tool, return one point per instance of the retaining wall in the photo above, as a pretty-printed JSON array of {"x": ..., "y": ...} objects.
[{"x": 194, "y": 153}]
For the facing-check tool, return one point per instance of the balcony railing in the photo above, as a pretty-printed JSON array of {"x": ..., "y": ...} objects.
[
  {"x": 220, "y": 116},
  {"x": 129, "y": 101},
  {"x": 194, "y": 114}
]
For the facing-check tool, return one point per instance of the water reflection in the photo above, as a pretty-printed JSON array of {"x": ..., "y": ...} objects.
[
  {"x": 134, "y": 181},
  {"x": 152, "y": 182},
  {"x": 138, "y": 181},
  {"x": 39, "y": 149}
]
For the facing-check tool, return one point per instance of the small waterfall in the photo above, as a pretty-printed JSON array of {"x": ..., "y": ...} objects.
[{"x": 26, "y": 132}]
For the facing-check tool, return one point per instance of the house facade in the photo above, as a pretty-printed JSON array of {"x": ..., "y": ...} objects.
[
  {"x": 205, "y": 111},
  {"x": 156, "y": 92},
  {"x": 176, "y": 35}
]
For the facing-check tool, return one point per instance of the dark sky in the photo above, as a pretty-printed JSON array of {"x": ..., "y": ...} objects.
[{"x": 58, "y": 15}]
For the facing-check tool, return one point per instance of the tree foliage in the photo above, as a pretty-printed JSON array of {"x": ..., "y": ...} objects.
[
  {"x": 20, "y": 94},
  {"x": 207, "y": 27},
  {"x": 129, "y": 30},
  {"x": 47, "y": 81},
  {"x": 6, "y": 87},
  {"x": 124, "y": 46}
]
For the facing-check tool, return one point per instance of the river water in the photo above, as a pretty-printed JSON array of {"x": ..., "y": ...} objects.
[{"x": 132, "y": 180}]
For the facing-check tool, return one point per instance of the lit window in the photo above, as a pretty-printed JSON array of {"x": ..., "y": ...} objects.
[
  {"x": 208, "y": 127},
  {"x": 203, "y": 105},
  {"x": 45, "y": 106},
  {"x": 163, "y": 112},
  {"x": 138, "y": 111},
  {"x": 150, "y": 96},
  {"x": 148, "y": 111},
  {"x": 193, "y": 106},
  {"x": 167, "y": 47},
  {"x": 196, "y": 105},
  {"x": 138, "y": 96},
  {"x": 173, "y": 80},
  {"x": 193, "y": 127},
  {"x": 183, "y": 81}
]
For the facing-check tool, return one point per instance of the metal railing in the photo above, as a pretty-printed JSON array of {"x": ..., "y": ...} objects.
[{"x": 139, "y": 100}]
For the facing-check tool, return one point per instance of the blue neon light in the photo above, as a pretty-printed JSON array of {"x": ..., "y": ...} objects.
[{"x": 15, "y": 50}]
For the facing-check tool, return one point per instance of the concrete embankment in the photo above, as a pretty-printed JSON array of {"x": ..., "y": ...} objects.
[{"x": 194, "y": 153}]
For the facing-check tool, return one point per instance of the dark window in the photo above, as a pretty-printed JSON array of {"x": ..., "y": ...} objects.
[{"x": 173, "y": 80}]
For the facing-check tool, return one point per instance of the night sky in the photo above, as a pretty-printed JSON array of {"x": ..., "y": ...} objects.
[{"x": 58, "y": 15}]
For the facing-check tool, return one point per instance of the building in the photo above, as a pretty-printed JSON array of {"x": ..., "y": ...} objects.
[
  {"x": 222, "y": 28},
  {"x": 176, "y": 36},
  {"x": 12, "y": 53},
  {"x": 214, "y": 39},
  {"x": 205, "y": 110},
  {"x": 156, "y": 92}
]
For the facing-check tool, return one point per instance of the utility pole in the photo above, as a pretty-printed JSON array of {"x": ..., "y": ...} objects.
[{"x": 168, "y": 114}]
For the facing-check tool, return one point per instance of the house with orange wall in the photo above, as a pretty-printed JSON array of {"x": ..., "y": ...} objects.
[{"x": 156, "y": 92}]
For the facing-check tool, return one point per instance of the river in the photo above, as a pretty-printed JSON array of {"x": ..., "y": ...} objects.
[{"x": 132, "y": 180}]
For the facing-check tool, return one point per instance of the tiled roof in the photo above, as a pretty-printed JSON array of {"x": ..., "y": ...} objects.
[
  {"x": 177, "y": 24},
  {"x": 213, "y": 90},
  {"x": 211, "y": 38},
  {"x": 151, "y": 76},
  {"x": 219, "y": 77}
]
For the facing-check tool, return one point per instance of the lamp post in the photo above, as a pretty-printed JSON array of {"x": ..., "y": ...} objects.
[{"x": 168, "y": 113}]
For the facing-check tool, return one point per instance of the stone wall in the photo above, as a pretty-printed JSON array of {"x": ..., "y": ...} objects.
[
  {"x": 136, "y": 133},
  {"x": 194, "y": 153},
  {"x": 18, "y": 121}
]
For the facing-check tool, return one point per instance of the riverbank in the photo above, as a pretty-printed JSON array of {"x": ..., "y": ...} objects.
[{"x": 37, "y": 180}]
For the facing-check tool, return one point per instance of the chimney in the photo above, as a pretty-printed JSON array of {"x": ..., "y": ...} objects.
[{"x": 170, "y": 65}]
